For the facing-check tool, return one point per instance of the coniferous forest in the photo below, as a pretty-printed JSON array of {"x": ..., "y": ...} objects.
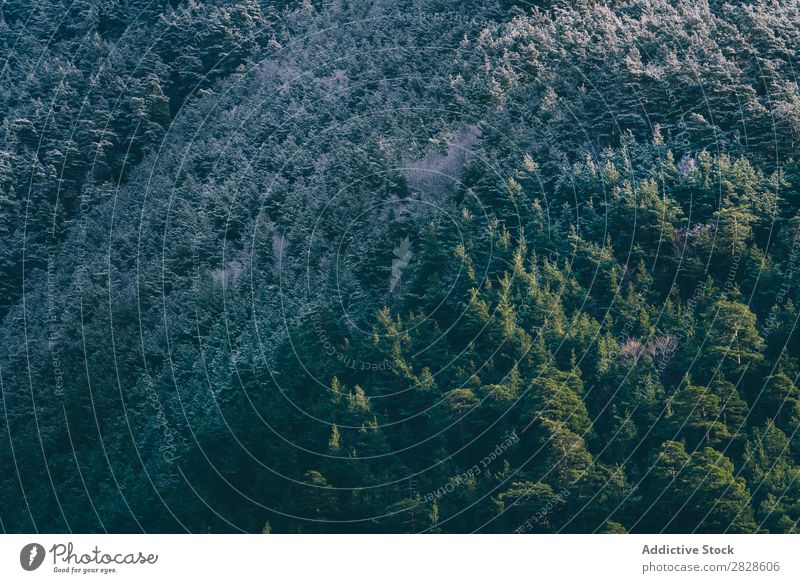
[{"x": 440, "y": 266}]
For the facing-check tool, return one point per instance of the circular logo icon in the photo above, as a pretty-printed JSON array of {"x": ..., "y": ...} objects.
[{"x": 31, "y": 556}]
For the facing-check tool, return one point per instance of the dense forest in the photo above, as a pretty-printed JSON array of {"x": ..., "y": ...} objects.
[{"x": 399, "y": 266}]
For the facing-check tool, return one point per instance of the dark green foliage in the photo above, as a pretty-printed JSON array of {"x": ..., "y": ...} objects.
[{"x": 417, "y": 266}]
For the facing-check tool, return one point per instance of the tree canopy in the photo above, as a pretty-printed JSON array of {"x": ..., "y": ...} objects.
[{"x": 410, "y": 266}]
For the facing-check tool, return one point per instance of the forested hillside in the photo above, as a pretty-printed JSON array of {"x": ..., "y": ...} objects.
[{"x": 399, "y": 266}]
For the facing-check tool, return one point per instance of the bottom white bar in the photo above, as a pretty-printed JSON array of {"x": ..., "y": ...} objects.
[{"x": 390, "y": 558}]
